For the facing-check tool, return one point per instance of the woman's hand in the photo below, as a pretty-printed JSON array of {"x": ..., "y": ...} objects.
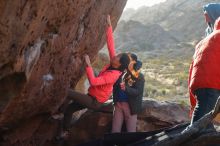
[
  {"x": 109, "y": 20},
  {"x": 122, "y": 85},
  {"x": 87, "y": 60}
]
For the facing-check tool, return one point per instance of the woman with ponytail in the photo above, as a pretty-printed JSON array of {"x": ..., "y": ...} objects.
[
  {"x": 101, "y": 86},
  {"x": 127, "y": 96}
]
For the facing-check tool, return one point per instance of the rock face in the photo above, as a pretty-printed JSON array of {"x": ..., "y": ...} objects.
[
  {"x": 161, "y": 114},
  {"x": 155, "y": 115},
  {"x": 41, "y": 56}
]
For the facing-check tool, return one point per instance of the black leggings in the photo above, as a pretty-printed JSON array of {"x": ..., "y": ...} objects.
[{"x": 80, "y": 101}]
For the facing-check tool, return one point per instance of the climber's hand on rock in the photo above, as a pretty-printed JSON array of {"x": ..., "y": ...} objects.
[
  {"x": 109, "y": 20},
  {"x": 87, "y": 60}
]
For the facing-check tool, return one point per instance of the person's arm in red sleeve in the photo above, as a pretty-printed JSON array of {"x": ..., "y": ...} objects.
[
  {"x": 107, "y": 78},
  {"x": 191, "y": 96},
  {"x": 110, "y": 39},
  {"x": 192, "y": 102}
]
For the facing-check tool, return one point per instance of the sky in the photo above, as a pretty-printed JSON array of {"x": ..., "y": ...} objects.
[{"x": 138, "y": 3}]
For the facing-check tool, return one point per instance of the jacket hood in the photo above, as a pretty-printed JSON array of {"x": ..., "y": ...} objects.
[
  {"x": 217, "y": 24},
  {"x": 213, "y": 11}
]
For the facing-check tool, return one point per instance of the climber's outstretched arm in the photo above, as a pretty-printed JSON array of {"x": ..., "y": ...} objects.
[{"x": 110, "y": 39}]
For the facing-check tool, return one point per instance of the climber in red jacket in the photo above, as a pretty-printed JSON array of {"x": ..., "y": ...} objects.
[
  {"x": 204, "y": 75},
  {"x": 101, "y": 86}
]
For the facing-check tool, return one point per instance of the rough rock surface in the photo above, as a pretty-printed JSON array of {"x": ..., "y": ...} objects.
[
  {"x": 161, "y": 114},
  {"x": 155, "y": 115},
  {"x": 41, "y": 56}
]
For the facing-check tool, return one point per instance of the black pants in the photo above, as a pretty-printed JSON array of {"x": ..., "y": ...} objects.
[
  {"x": 80, "y": 101},
  {"x": 206, "y": 100}
]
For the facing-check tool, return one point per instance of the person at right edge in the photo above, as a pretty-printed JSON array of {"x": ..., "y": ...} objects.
[
  {"x": 211, "y": 13},
  {"x": 127, "y": 97},
  {"x": 204, "y": 75}
]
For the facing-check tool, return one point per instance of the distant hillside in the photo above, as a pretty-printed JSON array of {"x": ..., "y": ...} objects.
[
  {"x": 174, "y": 24},
  {"x": 149, "y": 37}
]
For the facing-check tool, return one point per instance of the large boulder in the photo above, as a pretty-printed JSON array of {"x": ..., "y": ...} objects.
[
  {"x": 155, "y": 115},
  {"x": 41, "y": 56},
  {"x": 162, "y": 114}
]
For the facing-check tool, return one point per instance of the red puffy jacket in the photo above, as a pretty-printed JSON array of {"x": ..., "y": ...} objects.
[
  {"x": 102, "y": 85},
  {"x": 205, "y": 68}
]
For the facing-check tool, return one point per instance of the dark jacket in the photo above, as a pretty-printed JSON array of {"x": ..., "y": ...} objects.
[{"x": 134, "y": 93}]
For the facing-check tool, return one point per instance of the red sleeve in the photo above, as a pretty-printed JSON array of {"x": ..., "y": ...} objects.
[
  {"x": 191, "y": 96},
  {"x": 110, "y": 42},
  {"x": 107, "y": 78},
  {"x": 192, "y": 102}
]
